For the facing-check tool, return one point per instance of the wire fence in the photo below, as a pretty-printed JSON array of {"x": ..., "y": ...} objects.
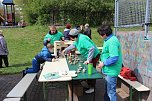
[
  {"x": 150, "y": 11},
  {"x": 130, "y": 13}
]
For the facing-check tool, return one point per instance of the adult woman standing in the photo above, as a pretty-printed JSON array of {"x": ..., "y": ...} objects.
[{"x": 3, "y": 51}]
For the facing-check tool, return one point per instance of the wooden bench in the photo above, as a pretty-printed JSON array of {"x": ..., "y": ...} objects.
[
  {"x": 12, "y": 99},
  {"x": 20, "y": 89},
  {"x": 135, "y": 85}
]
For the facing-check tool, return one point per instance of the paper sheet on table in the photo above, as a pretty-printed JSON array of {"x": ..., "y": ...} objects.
[
  {"x": 50, "y": 76},
  {"x": 68, "y": 73}
]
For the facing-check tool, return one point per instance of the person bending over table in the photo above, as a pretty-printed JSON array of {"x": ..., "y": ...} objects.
[
  {"x": 44, "y": 55},
  {"x": 87, "y": 49}
]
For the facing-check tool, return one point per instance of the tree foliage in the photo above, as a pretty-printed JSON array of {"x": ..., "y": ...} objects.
[{"x": 94, "y": 12}]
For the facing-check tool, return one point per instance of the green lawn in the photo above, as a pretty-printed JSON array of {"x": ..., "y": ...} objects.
[
  {"x": 134, "y": 29},
  {"x": 25, "y": 43}
]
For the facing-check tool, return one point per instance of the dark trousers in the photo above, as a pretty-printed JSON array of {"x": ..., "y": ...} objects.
[
  {"x": 94, "y": 61},
  {"x": 5, "y": 59},
  {"x": 35, "y": 67}
]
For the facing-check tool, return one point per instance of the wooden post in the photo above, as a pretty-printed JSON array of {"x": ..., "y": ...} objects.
[
  {"x": 11, "y": 15},
  {"x": 4, "y": 15}
]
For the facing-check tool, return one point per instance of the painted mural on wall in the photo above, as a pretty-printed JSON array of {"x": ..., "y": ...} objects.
[{"x": 137, "y": 54}]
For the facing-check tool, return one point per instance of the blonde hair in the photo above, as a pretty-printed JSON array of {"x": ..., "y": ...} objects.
[
  {"x": 52, "y": 27},
  {"x": 49, "y": 45}
]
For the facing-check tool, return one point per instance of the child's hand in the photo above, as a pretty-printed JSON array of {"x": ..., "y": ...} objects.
[
  {"x": 53, "y": 60},
  {"x": 100, "y": 65},
  {"x": 86, "y": 62},
  {"x": 62, "y": 39},
  {"x": 48, "y": 39}
]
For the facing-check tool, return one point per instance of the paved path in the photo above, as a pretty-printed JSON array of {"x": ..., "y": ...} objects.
[{"x": 7, "y": 82}]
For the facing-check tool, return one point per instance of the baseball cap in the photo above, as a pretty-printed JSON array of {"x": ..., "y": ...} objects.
[{"x": 74, "y": 32}]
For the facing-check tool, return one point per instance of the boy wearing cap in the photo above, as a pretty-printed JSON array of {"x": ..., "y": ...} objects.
[
  {"x": 66, "y": 32},
  {"x": 44, "y": 55},
  {"x": 3, "y": 50},
  {"x": 87, "y": 49},
  {"x": 53, "y": 35}
]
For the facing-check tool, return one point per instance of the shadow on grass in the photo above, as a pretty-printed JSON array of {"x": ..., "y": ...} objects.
[{"x": 19, "y": 65}]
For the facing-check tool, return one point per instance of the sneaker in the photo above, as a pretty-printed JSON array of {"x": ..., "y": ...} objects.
[
  {"x": 91, "y": 90},
  {"x": 23, "y": 73},
  {"x": 26, "y": 68}
]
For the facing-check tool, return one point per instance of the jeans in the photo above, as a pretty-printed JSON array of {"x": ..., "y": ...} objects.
[
  {"x": 110, "y": 88},
  {"x": 35, "y": 67}
]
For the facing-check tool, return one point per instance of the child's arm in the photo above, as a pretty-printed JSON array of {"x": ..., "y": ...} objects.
[
  {"x": 46, "y": 41},
  {"x": 48, "y": 57}
]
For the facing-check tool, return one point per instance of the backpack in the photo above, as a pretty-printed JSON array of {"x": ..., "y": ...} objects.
[{"x": 127, "y": 73}]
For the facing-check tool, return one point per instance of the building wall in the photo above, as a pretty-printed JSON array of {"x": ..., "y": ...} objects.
[{"x": 137, "y": 55}]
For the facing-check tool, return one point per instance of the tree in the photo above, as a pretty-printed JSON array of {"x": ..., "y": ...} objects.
[{"x": 72, "y": 11}]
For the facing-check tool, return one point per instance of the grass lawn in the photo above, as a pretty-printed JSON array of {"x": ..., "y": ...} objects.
[
  {"x": 25, "y": 43},
  {"x": 139, "y": 28}
]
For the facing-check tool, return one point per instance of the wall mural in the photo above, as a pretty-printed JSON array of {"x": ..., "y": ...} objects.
[{"x": 137, "y": 54}]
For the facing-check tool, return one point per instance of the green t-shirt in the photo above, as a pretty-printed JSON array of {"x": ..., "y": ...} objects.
[
  {"x": 83, "y": 44},
  {"x": 53, "y": 37},
  {"x": 111, "y": 48}
]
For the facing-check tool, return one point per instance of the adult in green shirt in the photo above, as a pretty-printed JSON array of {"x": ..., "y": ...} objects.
[
  {"x": 53, "y": 35},
  {"x": 87, "y": 49},
  {"x": 111, "y": 61}
]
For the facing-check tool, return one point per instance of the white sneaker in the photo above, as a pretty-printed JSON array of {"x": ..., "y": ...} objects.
[{"x": 91, "y": 90}]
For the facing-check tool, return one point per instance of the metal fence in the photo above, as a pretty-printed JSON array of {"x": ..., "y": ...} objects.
[{"x": 130, "y": 13}]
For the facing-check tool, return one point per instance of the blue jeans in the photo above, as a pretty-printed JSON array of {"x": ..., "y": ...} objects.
[
  {"x": 35, "y": 67},
  {"x": 110, "y": 88}
]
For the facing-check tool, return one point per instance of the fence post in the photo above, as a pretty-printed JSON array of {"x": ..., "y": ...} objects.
[
  {"x": 147, "y": 18},
  {"x": 116, "y": 16}
]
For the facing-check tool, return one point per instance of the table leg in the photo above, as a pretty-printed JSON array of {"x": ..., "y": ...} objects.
[
  {"x": 72, "y": 90},
  {"x": 139, "y": 96},
  {"x": 44, "y": 91},
  {"x": 94, "y": 97},
  {"x": 25, "y": 97},
  {"x": 72, "y": 94},
  {"x": 67, "y": 93},
  {"x": 130, "y": 89}
]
